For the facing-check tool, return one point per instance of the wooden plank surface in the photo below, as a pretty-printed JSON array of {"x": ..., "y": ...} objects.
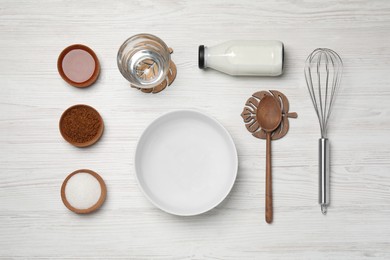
[{"x": 34, "y": 159}]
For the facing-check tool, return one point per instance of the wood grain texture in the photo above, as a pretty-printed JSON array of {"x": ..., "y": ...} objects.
[{"x": 34, "y": 159}]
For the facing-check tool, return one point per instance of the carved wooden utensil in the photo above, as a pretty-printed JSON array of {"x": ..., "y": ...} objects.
[
  {"x": 249, "y": 114},
  {"x": 269, "y": 116},
  {"x": 256, "y": 121}
]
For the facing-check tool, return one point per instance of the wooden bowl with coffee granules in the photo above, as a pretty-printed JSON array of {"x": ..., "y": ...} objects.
[{"x": 81, "y": 125}]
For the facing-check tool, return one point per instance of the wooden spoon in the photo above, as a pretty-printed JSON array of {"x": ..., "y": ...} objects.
[{"x": 269, "y": 116}]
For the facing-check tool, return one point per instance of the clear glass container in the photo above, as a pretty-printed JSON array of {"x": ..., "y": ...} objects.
[{"x": 144, "y": 60}]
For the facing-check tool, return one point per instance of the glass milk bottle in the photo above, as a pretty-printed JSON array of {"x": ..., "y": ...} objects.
[{"x": 244, "y": 58}]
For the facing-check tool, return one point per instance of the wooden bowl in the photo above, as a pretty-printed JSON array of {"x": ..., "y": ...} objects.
[
  {"x": 71, "y": 140},
  {"x": 97, "y": 205},
  {"x": 93, "y": 77}
]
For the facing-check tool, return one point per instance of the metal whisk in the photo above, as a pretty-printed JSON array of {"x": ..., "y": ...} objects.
[{"x": 323, "y": 71}]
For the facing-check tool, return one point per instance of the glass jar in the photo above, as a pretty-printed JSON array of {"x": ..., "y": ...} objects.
[{"x": 144, "y": 60}]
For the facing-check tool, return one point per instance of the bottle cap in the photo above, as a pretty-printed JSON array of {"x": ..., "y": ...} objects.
[{"x": 201, "y": 62}]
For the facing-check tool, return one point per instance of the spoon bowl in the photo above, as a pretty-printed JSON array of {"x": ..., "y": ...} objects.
[{"x": 269, "y": 114}]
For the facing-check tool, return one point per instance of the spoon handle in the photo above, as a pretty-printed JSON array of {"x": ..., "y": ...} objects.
[{"x": 268, "y": 183}]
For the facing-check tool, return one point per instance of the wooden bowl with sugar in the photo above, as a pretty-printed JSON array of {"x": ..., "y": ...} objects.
[{"x": 83, "y": 191}]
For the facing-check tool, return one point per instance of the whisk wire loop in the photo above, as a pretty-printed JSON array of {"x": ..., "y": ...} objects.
[{"x": 323, "y": 74}]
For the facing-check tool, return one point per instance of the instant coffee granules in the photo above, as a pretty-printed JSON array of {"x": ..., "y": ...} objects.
[{"x": 81, "y": 125}]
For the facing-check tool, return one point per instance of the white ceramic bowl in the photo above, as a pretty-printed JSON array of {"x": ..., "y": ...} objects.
[{"x": 186, "y": 162}]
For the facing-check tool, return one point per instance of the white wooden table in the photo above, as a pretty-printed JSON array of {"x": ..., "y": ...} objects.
[{"x": 34, "y": 159}]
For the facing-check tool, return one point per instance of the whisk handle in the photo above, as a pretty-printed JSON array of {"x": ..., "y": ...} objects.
[{"x": 324, "y": 166}]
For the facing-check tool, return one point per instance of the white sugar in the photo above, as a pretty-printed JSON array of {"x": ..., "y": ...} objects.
[{"x": 82, "y": 190}]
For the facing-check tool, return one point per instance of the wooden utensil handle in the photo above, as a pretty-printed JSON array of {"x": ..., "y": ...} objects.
[{"x": 268, "y": 183}]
